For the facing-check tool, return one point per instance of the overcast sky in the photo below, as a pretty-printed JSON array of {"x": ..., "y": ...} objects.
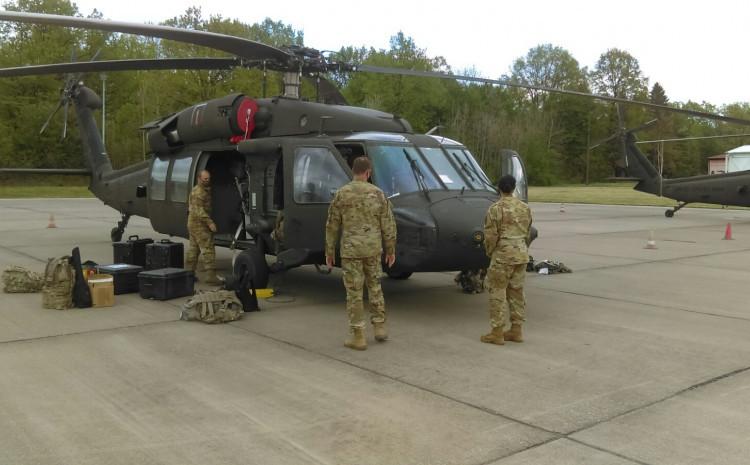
[{"x": 696, "y": 50}]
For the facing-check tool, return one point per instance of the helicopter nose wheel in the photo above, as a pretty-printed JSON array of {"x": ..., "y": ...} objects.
[{"x": 669, "y": 213}]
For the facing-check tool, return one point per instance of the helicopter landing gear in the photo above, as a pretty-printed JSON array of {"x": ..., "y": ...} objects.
[
  {"x": 670, "y": 212},
  {"x": 119, "y": 230},
  {"x": 250, "y": 273}
]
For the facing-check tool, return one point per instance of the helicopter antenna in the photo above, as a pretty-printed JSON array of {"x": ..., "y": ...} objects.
[{"x": 434, "y": 129}]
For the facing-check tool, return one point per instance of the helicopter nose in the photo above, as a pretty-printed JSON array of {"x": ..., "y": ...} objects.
[{"x": 460, "y": 225}]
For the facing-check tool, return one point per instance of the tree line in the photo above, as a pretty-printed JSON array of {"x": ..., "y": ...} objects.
[{"x": 552, "y": 132}]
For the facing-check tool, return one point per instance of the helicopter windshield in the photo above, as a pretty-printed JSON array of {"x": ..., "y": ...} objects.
[
  {"x": 477, "y": 178},
  {"x": 444, "y": 168},
  {"x": 395, "y": 174}
]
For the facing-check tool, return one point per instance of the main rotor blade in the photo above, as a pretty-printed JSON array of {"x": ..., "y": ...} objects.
[
  {"x": 122, "y": 65},
  {"x": 238, "y": 46},
  {"x": 411, "y": 72}
]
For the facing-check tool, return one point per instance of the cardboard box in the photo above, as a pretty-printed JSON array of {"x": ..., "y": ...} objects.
[{"x": 102, "y": 287}]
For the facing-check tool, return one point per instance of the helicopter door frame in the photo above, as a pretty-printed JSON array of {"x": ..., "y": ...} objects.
[{"x": 307, "y": 194}]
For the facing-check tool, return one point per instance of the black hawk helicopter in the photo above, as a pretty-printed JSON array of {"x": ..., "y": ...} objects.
[{"x": 282, "y": 154}]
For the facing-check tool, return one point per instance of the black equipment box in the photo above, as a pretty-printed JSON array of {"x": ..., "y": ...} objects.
[
  {"x": 125, "y": 276},
  {"x": 164, "y": 254},
  {"x": 132, "y": 251},
  {"x": 166, "y": 283}
]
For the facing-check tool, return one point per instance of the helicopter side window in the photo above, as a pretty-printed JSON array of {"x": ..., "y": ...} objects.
[
  {"x": 317, "y": 175},
  {"x": 159, "y": 179},
  {"x": 444, "y": 168},
  {"x": 179, "y": 179}
]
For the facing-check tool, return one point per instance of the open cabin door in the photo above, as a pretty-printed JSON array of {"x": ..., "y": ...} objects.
[
  {"x": 313, "y": 172},
  {"x": 169, "y": 184}
]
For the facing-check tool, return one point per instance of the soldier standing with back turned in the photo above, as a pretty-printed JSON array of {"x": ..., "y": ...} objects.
[
  {"x": 506, "y": 233},
  {"x": 201, "y": 229},
  {"x": 363, "y": 215}
]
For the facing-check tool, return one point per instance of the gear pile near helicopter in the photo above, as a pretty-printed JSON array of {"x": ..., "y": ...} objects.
[{"x": 283, "y": 156}]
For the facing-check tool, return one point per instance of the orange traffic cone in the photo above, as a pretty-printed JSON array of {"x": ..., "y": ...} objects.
[
  {"x": 51, "y": 223},
  {"x": 728, "y": 232},
  {"x": 651, "y": 243}
]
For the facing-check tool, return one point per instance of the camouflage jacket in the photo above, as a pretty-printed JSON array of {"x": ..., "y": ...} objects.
[
  {"x": 363, "y": 216},
  {"x": 506, "y": 229},
  {"x": 200, "y": 207}
]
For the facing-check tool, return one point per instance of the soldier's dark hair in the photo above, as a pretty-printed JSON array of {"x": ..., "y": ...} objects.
[
  {"x": 507, "y": 184},
  {"x": 360, "y": 165}
]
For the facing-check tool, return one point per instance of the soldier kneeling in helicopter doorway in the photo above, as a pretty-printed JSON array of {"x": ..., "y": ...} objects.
[
  {"x": 363, "y": 215},
  {"x": 506, "y": 235},
  {"x": 202, "y": 228}
]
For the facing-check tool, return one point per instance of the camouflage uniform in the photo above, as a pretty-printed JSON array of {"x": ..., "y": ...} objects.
[
  {"x": 506, "y": 229},
  {"x": 201, "y": 237},
  {"x": 363, "y": 215}
]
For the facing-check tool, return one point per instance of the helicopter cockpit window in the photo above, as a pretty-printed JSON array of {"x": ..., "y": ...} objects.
[
  {"x": 393, "y": 171},
  {"x": 180, "y": 179},
  {"x": 159, "y": 179},
  {"x": 470, "y": 168},
  {"x": 518, "y": 173},
  {"x": 317, "y": 175},
  {"x": 444, "y": 168}
]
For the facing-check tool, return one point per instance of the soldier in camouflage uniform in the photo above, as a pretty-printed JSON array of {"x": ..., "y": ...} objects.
[
  {"x": 202, "y": 228},
  {"x": 361, "y": 212},
  {"x": 506, "y": 233}
]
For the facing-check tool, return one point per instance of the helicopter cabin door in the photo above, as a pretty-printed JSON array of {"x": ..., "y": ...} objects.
[
  {"x": 170, "y": 181},
  {"x": 313, "y": 172}
]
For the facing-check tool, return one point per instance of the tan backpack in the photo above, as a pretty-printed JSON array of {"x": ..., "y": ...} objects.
[
  {"x": 19, "y": 279},
  {"x": 212, "y": 307},
  {"x": 59, "y": 279}
]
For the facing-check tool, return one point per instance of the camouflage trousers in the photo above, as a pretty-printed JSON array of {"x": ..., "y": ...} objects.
[
  {"x": 505, "y": 284},
  {"x": 201, "y": 246},
  {"x": 359, "y": 272}
]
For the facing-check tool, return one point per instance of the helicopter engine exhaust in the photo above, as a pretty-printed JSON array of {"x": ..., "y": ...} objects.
[{"x": 229, "y": 118}]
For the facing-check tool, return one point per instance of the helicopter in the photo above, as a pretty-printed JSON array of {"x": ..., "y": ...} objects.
[
  {"x": 285, "y": 156},
  {"x": 731, "y": 188}
]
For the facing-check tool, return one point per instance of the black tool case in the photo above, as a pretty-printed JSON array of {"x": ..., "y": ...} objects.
[
  {"x": 166, "y": 283},
  {"x": 165, "y": 254},
  {"x": 132, "y": 251},
  {"x": 125, "y": 276}
]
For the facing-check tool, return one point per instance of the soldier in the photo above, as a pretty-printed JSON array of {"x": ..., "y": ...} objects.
[
  {"x": 506, "y": 234},
  {"x": 202, "y": 228},
  {"x": 363, "y": 214}
]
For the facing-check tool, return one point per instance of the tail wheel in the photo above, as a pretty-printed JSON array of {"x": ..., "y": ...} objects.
[{"x": 250, "y": 265}]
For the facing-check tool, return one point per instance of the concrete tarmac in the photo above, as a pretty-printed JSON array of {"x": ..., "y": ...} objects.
[{"x": 640, "y": 356}]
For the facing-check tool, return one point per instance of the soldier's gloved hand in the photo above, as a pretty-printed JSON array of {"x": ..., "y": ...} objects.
[{"x": 212, "y": 227}]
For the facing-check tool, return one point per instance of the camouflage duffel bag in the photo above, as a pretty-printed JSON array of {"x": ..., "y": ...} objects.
[
  {"x": 19, "y": 279},
  {"x": 59, "y": 280},
  {"x": 212, "y": 307}
]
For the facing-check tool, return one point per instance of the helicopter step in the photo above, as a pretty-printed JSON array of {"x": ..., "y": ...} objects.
[{"x": 671, "y": 211}]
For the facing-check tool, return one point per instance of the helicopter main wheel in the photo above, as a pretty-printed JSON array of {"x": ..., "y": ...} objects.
[
  {"x": 669, "y": 213},
  {"x": 399, "y": 275},
  {"x": 249, "y": 265}
]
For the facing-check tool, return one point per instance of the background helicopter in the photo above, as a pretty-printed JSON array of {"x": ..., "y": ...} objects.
[
  {"x": 719, "y": 189},
  {"x": 284, "y": 154}
]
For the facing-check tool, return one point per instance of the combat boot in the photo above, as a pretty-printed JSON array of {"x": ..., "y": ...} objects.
[
  {"x": 381, "y": 335},
  {"x": 356, "y": 339},
  {"x": 515, "y": 334},
  {"x": 495, "y": 337},
  {"x": 212, "y": 279}
]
